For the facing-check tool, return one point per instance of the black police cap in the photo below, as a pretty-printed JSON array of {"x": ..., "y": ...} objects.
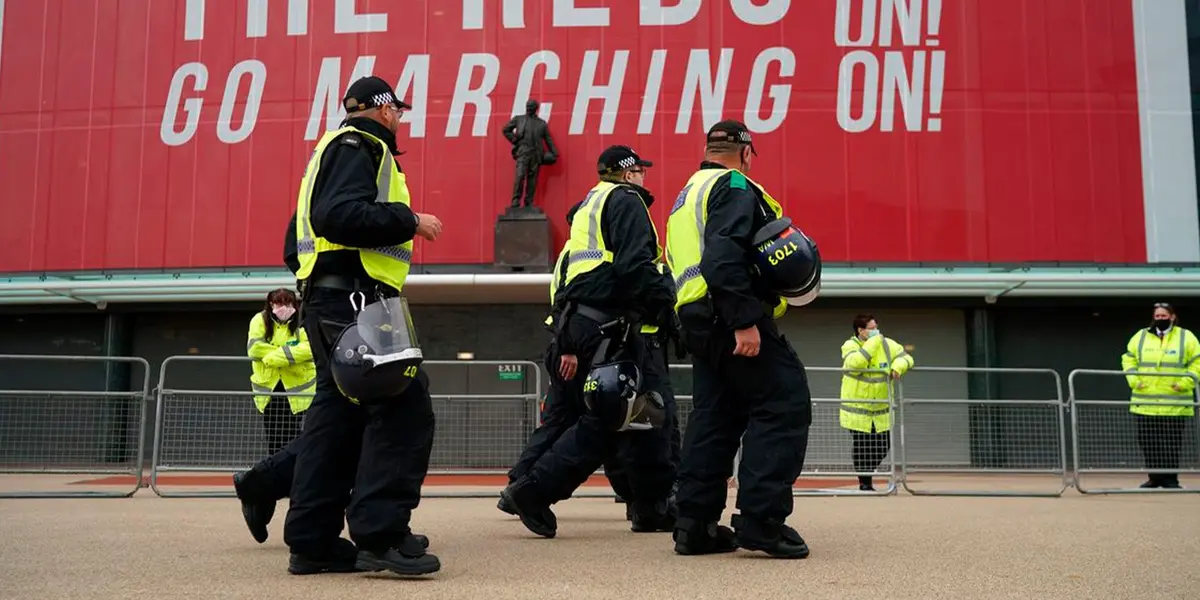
[
  {"x": 371, "y": 92},
  {"x": 731, "y": 131},
  {"x": 616, "y": 158}
]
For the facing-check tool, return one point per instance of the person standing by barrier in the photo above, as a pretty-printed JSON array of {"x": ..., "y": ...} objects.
[
  {"x": 1163, "y": 347},
  {"x": 282, "y": 363},
  {"x": 735, "y": 259},
  {"x": 865, "y": 411},
  {"x": 360, "y": 460}
]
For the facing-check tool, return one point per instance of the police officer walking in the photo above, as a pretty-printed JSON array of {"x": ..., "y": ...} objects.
[
  {"x": 365, "y": 456},
  {"x": 748, "y": 383},
  {"x": 613, "y": 298}
]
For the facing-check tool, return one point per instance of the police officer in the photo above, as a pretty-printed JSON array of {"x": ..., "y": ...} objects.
[
  {"x": 609, "y": 288},
  {"x": 354, "y": 231},
  {"x": 747, "y": 380},
  {"x": 561, "y": 410}
]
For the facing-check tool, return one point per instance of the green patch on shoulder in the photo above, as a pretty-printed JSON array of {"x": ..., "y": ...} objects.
[{"x": 737, "y": 181}]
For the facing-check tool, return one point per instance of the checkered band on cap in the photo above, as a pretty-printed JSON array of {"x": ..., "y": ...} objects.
[
  {"x": 626, "y": 162},
  {"x": 382, "y": 99}
]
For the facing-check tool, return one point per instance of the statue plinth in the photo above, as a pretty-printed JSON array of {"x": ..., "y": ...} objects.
[{"x": 523, "y": 240}]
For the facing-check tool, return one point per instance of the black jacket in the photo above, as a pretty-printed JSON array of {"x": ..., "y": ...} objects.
[
  {"x": 735, "y": 214},
  {"x": 632, "y": 283},
  {"x": 343, "y": 208}
]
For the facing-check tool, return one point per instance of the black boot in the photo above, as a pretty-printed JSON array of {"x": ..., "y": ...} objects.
[
  {"x": 695, "y": 538},
  {"x": 777, "y": 540},
  {"x": 257, "y": 514},
  {"x": 408, "y": 558},
  {"x": 506, "y": 504},
  {"x": 338, "y": 559},
  {"x": 534, "y": 512},
  {"x": 865, "y": 485},
  {"x": 651, "y": 518}
]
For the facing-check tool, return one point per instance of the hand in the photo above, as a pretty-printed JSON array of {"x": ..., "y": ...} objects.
[
  {"x": 1140, "y": 385},
  {"x": 1175, "y": 386},
  {"x": 748, "y": 341},
  {"x": 567, "y": 365},
  {"x": 275, "y": 360},
  {"x": 895, "y": 376},
  {"x": 428, "y": 226}
]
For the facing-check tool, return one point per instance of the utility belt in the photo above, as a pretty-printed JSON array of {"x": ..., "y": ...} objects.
[{"x": 344, "y": 283}]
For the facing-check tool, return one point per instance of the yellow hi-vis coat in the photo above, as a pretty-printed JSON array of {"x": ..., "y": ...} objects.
[
  {"x": 387, "y": 264},
  {"x": 291, "y": 362},
  {"x": 1176, "y": 352},
  {"x": 585, "y": 249},
  {"x": 877, "y": 352}
]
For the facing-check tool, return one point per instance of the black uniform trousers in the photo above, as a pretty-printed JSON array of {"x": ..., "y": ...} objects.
[
  {"x": 1161, "y": 441},
  {"x": 585, "y": 445},
  {"x": 867, "y": 450},
  {"x": 765, "y": 398},
  {"x": 366, "y": 462},
  {"x": 526, "y": 176},
  {"x": 280, "y": 425}
]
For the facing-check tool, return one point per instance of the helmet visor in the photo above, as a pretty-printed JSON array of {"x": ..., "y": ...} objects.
[{"x": 387, "y": 328}]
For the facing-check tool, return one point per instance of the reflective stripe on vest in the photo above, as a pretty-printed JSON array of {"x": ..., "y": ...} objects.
[
  {"x": 685, "y": 232},
  {"x": 585, "y": 249},
  {"x": 388, "y": 264}
]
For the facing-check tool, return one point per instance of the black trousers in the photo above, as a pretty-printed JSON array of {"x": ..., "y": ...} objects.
[
  {"x": 766, "y": 399},
  {"x": 1161, "y": 441},
  {"x": 868, "y": 450},
  {"x": 367, "y": 462},
  {"x": 562, "y": 411},
  {"x": 280, "y": 426},
  {"x": 586, "y": 445},
  {"x": 526, "y": 176}
]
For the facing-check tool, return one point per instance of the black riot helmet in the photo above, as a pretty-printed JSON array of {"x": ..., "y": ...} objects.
[
  {"x": 612, "y": 393},
  {"x": 789, "y": 261},
  {"x": 376, "y": 358}
]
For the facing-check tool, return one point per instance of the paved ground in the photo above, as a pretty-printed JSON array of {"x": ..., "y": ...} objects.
[{"x": 1118, "y": 546}]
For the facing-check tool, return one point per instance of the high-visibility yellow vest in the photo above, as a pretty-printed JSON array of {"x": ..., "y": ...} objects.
[
  {"x": 299, "y": 377},
  {"x": 585, "y": 249},
  {"x": 387, "y": 264},
  {"x": 685, "y": 233},
  {"x": 1176, "y": 352},
  {"x": 858, "y": 383}
]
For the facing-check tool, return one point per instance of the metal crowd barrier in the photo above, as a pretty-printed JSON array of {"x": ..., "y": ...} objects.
[
  {"x": 1111, "y": 441},
  {"x": 220, "y": 431},
  {"x": 1011, "y": 437},
  {"x": 72, "y": 432}
]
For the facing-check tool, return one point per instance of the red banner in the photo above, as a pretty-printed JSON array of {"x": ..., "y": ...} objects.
[{"x": 173, "y": 133}]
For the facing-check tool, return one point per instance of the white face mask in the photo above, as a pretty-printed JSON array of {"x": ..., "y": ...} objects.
[
  {"x": 872, "y": 333},
  {"x": 283, "y": 313}
]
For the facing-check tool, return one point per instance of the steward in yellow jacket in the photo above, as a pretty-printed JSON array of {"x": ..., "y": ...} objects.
[
  {"x": 1162, "y": 404},
  {"x": 865, "y": 411},
  {"x": 283, "y": 362}
]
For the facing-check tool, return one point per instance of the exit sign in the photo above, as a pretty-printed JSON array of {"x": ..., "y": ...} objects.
[{"x": 510, "y": 372}]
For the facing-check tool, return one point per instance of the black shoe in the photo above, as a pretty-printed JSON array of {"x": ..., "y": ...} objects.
[
  {"x": 1149, "y": 484},
  {"x": 865, "y": 484},
  {"x": 257, "y": 514},
  {"x": 410, "y": 558},
  {"x": 535, "y": 515},
  {"x": 628, "y": 512},
  {"x": 652, "y": 523},
  {"x": 693, "y": 540},
  {"x": 506, "y": 504},
  {"x": 1171, "y": 485},
  {"x": 340, "y": 559},
  {"x": 776, "y": 540},
  {"x": 618, "y": 499}
]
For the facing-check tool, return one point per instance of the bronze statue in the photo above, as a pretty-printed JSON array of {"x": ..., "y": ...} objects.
[{"x": 527, "y": 133}]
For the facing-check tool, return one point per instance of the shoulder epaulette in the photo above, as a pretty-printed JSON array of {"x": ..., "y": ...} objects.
[{"x": 737, "y": 181}]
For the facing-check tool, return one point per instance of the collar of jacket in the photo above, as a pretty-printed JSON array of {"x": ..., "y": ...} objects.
[
  {"x": 647, "y": 197},
  {"x": 708, "y": 164},
  {"x": 376, "y": 129}
]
